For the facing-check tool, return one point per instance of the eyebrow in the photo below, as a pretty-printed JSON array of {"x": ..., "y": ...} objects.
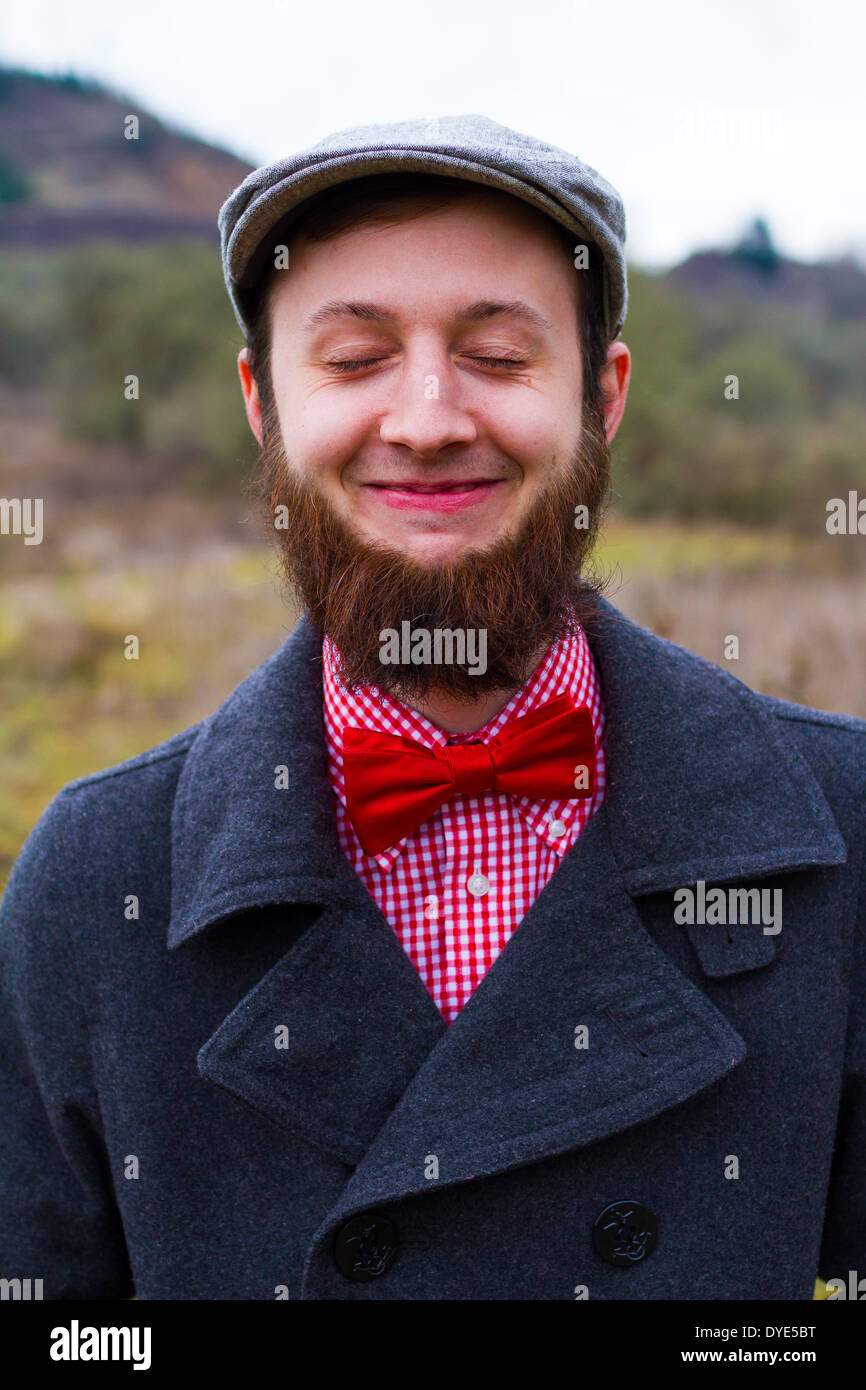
[{"x": 477, "y": 312}]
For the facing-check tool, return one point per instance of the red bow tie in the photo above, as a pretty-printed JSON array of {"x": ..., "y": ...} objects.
[{"x": 394, "y": 784}]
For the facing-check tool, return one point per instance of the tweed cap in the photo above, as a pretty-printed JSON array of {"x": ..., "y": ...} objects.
[{"x": 469, "y": 147}]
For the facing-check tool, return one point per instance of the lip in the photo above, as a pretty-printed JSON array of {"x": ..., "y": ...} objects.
[{"x": 432, "y": 497}]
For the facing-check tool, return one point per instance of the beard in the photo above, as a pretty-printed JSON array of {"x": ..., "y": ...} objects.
[{"x": 524, "y": 590}]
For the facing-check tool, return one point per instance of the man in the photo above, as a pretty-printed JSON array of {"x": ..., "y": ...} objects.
[{"x": 481, "y": 945}]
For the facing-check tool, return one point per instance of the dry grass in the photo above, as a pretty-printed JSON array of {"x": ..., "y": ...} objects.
[{"x": 798, "y": 609}]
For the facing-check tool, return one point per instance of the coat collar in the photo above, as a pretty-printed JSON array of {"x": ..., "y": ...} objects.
[{"x": 701, "y": 783}]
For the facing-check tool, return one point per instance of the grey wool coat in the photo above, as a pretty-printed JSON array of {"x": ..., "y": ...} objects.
[{"x": 246, "y": 1091}]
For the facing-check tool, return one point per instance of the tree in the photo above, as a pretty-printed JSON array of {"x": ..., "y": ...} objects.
[{"x": 756, "y": 248}]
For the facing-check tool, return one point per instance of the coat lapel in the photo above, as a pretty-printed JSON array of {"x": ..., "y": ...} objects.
[
  {"x": 360, "y": 1026},
  {"x": 701, "y": 785}
]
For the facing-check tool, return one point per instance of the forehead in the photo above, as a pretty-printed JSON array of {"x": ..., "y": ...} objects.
[{"x": 484, "y": 240}]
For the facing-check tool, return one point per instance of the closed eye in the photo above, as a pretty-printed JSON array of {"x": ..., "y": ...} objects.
[
  {"x": 351, "y": 365},
  {"x": 501, "y": 361}
]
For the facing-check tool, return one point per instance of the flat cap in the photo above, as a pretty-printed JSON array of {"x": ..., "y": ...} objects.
[{"x": 469, "y": 147}]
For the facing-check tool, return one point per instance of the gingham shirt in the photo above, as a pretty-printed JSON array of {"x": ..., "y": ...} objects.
[{"x": 456, "y": 888}]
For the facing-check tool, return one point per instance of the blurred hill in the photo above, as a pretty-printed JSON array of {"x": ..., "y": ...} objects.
[
  {"x": 109, "y": 269},
  {"x": 68, "y": 174},
  {"x": 826, "y": 291}
]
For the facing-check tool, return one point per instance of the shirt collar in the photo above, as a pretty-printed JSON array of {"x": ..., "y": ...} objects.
[{"x": 566, "y": 668}]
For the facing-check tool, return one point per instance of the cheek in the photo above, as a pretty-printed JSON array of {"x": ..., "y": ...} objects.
[
  {"x": 528, "y": 422},
  {"x": 328, "y": 440},
  {"x": 319, "y": 429},
  {"x": 529, "y": 434}
]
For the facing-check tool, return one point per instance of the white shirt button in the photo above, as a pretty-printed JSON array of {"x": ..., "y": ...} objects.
[
  {"x": 478, "y": 885},
  {"x": 557, "y": 828}
]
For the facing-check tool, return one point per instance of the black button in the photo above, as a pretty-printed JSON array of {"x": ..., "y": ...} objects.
[
  {"x": 625, "y": 1233},
  {"x": 366, "y": 1247}
]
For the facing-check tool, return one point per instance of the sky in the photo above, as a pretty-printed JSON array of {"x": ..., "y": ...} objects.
[{"x": 702, "y": 115}]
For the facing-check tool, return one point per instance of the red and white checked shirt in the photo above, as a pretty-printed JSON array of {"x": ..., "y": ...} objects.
[{"x": 457, "y": 887}]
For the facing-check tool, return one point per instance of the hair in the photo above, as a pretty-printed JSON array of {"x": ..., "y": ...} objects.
[{"x": 387, "y": 199}]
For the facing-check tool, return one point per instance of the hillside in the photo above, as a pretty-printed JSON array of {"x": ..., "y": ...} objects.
[
  {"x": 832, "y": 290},
  {"x": 68, "y": 174}
]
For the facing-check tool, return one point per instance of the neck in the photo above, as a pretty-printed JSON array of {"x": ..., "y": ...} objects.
[{"x": 466, "y": 716}]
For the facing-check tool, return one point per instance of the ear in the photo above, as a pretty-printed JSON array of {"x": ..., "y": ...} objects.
[
  {"x": 614, "y": 379},
  {"x": 252, "y": 404}
]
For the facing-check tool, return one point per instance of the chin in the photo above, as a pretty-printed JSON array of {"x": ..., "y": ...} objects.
[{"x": 440, "y": 552}]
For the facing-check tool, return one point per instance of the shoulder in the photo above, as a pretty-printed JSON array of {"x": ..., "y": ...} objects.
[
  {"x": 87, "y": 820},
  {"x": 710, "y": 698},
  {"x": 124, "y": 812},
  {"x": 833, "y": 744},
  {"x": 836, "y": 735},
  {"x": 138, "y": 791},
  {"x": 847, "y": 725},
  {"x": 156, "y": 767}
]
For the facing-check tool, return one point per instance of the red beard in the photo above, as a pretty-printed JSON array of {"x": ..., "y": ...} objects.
[{"x": 524, "y": 590}]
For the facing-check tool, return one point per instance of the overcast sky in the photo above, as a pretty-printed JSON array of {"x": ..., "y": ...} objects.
[{"x": 701, "y": 114}]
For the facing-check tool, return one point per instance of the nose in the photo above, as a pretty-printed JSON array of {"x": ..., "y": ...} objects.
[{"x": 425, "y": 412}]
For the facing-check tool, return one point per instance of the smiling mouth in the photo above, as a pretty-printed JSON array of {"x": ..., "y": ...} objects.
[
  {"x": 437, "y": 497},
  {"x": 435, "y": 487}
]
